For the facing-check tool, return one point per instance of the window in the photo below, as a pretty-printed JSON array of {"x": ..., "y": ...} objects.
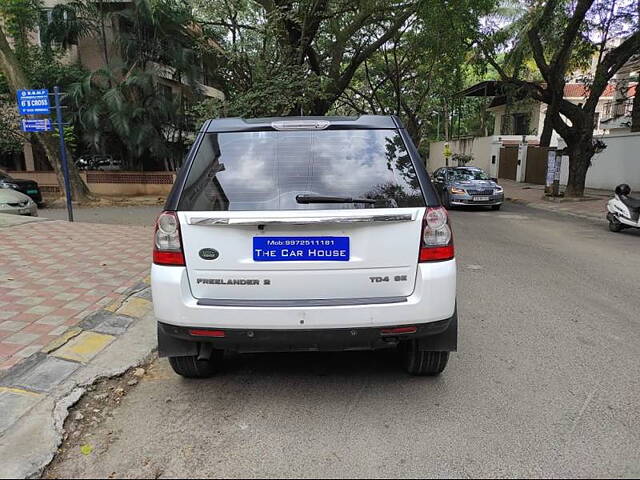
[
  {"x": 58, "y": 26},
  {"x": 521, "y": 123},
  {"x": 165, "y": 91},
  {"x": 266, "y": 170},
  {"x": 515, "y": 124},
  {"x": 466, "y": 174}
]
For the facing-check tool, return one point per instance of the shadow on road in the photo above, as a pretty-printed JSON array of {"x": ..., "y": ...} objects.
[{"x": 361, "y": 364}]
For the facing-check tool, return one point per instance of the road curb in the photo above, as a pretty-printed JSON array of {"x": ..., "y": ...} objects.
[{"x": 36, "y": 394}]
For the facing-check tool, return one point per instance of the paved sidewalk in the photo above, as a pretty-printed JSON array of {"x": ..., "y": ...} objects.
[
  {"x": 53, "y": 274},
  {"x": 593, "y": 206},
  {"x": 36, "y": 394}
]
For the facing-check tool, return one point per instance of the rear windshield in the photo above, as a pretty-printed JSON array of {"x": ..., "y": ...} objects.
[{"x": 267, "y": 170}]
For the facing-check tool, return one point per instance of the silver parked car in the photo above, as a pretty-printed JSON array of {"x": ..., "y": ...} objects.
[
  {"x": 467, "y": 186},
  {"x": 14, "y": 202}
]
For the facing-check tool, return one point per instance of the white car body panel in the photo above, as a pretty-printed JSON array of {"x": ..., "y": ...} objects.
[
  {"x": 382, "y": 249},
  {"x": 17, "y": 203},
  {"x": 237, "y": 191},
  {"x": 433, "y": 299}
]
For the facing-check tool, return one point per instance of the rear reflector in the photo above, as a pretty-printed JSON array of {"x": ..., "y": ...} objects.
[
  {"x": 168, "y": 258},
  {"x": 436, "y": 253},
  {"x": 399, "y": 330},
  {"x": 207, "y": 333}
]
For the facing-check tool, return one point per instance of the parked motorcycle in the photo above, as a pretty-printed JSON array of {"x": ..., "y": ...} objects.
[{"x": 624, "y": 211}]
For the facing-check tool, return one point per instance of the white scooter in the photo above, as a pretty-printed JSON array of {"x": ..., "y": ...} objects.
[{"x": 624, "y": 211}]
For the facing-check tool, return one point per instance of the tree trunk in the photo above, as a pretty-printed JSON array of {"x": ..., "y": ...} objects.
[
  {"x": 580, "y": 150},
  {"x": 79, "y": 190},
  {"x": 445, "y": 121},
  {"x": 635, "y": 112},
  {"x": 547, "y": 129},
  {"x": 414, "y": 130},
  {"x": 17, "y": 79}
]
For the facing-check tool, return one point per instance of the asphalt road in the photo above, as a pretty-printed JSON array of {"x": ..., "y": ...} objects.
[{"x": 546, "y": 382}]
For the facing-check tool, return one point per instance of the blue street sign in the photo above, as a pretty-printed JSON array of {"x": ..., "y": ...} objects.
[
  {"x": 33, "y": 102},
  {"x": 38, "y": 125}
]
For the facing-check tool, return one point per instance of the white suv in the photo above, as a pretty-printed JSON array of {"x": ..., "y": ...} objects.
[{"x": 304, "y": 234}]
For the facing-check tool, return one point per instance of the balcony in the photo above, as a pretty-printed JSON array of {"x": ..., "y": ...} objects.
[{"x": 616, "y": 109}]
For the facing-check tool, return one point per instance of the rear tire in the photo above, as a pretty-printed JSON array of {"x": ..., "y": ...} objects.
[
  {"x": 422, "y": 362},
  {"x": 191, "y": 367},
  {"x": 615, "y": 226},
  {"x": 496, "y": 207}
]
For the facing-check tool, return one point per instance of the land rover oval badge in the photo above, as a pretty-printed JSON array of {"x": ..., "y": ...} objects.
[{"x": 209, "y": 254}]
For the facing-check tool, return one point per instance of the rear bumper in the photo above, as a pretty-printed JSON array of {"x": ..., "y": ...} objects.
[
  {"x": 432, "y": 300},
  {"x": 179, "y": 341},
  {"x": 36, "y": 197}
]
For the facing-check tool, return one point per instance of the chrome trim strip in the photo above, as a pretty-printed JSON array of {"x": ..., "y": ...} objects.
[
  {"x": 318, "y": 302},
  {"x": 403, "y": 217}
]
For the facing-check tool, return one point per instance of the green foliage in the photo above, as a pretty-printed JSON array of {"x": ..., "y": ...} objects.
[
  {"x": 124, "y": 109},
  {"x": 11, "y": 137},
  {"x": 309, "y": 48},
  {"x": 276, "y": 93},
  {"x": 19, "y": 18},
  {"x": 418, "y": 73},
  {"x": 130, "y": 112},
  {"x": 206, "y": 109},
  {"x": 462, "y": 159}
]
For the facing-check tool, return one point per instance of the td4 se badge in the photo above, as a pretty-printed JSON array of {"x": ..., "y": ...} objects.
[{"x": 396, "y": 278}]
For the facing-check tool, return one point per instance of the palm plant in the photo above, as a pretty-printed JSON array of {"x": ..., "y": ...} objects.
[{"x": 121, "y": 108}]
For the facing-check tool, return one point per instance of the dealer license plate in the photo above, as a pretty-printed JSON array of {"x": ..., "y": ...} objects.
[
  {"x": 480, "y": 199},
  {"x": 288, "y": 249},
  {"x": 32, "y": 192}
]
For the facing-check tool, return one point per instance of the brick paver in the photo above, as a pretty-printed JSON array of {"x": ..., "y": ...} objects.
[{"x": 55, "y": 273}]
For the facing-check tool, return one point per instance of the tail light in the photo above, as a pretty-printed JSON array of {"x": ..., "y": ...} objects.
[
  {"x": 436, "y": 243},
  {"x": 167, "y": 244}
]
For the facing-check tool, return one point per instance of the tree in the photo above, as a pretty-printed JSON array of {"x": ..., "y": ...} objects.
[
  {"x": 12, "y": 138},
  {"x": 319, "y": 44},
  {"x": 122, "y": 108},
  {"x": 417, "y": 74},
  {"x": 16, "y": 79},
  {"x": 559, "y": 35},
  {"x": 635, "y": 109}
]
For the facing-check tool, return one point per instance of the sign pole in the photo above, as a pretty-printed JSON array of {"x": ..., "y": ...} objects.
[{"x": 63, "y": 152}]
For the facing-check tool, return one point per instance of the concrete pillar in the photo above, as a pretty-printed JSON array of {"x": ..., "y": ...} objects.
[
  {"x": 522, "y": 162},
  {"x": 494, "y": 165},
  {"x": 29, "y": 162}
]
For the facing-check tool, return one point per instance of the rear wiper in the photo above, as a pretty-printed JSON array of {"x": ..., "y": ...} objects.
[{"x": 321, "y": 199}]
